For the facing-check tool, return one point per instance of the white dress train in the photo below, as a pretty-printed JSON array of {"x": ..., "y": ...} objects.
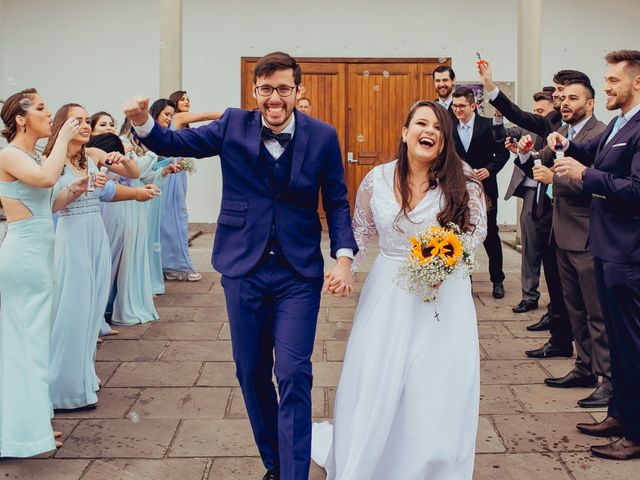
[{"x": 408, "y": 397}]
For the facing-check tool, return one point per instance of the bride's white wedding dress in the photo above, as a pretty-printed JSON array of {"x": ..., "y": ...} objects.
[{"x": 408, "y": 398}]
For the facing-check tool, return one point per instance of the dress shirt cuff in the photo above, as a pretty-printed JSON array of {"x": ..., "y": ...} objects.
[
  {"x": 344, "y": 252},
  {"x": 524, "y": 157},
  {"x": 145, "y": 129},
  {"x": 493, "y": 94}
]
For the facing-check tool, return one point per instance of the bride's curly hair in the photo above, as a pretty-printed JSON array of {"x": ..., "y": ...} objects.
[{"x": 446, "y": 172}]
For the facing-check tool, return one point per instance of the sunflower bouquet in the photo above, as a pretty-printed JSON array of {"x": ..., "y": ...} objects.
[{"x": 435, "y": 254}]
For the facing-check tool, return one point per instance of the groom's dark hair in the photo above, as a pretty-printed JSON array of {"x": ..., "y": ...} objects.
[{"x": 274, "y": 62}]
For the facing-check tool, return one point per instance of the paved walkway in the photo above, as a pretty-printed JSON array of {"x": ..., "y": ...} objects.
[{"x": 171, "y": 407}]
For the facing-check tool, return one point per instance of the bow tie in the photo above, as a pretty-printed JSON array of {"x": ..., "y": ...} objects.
[{"x": 282, "y": 138}]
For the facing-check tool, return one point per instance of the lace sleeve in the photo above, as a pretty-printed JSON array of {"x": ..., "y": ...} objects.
[
  {"x": 478, "y": 211},
  {"x": 363, "y": 224}
]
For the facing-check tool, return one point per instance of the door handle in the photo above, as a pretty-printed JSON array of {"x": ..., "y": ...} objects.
[{"x": 351, "y": 158}]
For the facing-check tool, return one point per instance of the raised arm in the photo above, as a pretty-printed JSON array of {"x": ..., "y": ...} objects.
[{"x": 182, "y": 119}]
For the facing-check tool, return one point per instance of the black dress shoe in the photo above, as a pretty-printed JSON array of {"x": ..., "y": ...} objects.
[
  {"x": 542, "y": 324},
  {"x": 572, "y": 379},
  {"x": 272, "y": 475},
  {"x": 609, "y": 427},
  {"x": 498, "y": 290},
  {"x": 549, "y": 351},
  {"x": 525, "y": 306},
  {"x": 599, "y": 397}
]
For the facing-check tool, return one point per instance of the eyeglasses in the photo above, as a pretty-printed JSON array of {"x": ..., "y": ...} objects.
[
  {"x": 459, "y": 107},
  {"x": 267, "y": 90}
]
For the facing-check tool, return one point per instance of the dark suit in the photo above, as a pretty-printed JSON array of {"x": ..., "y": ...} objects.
[
  {"x": 529, "y": 224},
  {"x": 449, "y": 109},
  {"x": 614, "y": 238},
  {"x": 485, "y": 151},
  {"x": 270, "y": 205},
  {"x": 538, "y": 124},
  {"x": 575, "y": 263}
]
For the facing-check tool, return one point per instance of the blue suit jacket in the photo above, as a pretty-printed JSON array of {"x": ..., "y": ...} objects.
[
  {"x": 614, "y": 181},
  {"x": 249, "y": 207}
]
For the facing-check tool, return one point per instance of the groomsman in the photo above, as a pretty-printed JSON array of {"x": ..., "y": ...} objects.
[
  {"x": 525, "y": 188},
  {"x": 475, "y": 142},
  {"x": 575, "y": 262},
  {"x": 559, "y": 345},
  {"x": 613, "y": 179},
  {"x": 444, "y": 81}
]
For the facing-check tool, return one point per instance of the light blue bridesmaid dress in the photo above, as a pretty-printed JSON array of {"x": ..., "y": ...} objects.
[
  {"x": 127, "y": 228},
  {"x": 83, "y": 269},
  {"x": 27, "y": 284},
  {"x": 155, "y": 215}
]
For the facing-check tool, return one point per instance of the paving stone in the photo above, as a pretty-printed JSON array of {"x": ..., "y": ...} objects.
[
  {"x": 112, "y": 403},
  {"x": 225, "y": 332},
  {"x": 131, "y": 350},
  {"x": 326, "y": 374},
  {"x": 105, "y": 370},
  {"x": 504, "y": 313},
  {"x": 184, "y": 331},
  {"x": 327, "y": 300},
  {"x": 156, "y": 374},
  {"x": 495, "y": 399},
  {"x": 585, "y": 466},
  {"x": 142, "y": 438},
  {"x": 318, "y": 351},
  {"x": 543, "y": 399},
  {"x": 211, "y": 314},
  {"x": 558, "y": 367},
  {"x": 318, "y": 402},
  {"x": 487, "y": 287},
  {"x": 176, "y": 314},
  {"x": 218, "y": 374},
  {"x": 544, "y": 433},
  {"x": 341, "y": 314},
  {"x": 493, "y": 330},
  {"x": 236, "y": 407},
  {"x": 131, "y": 332},
  {"x": 331, "y": 401},
  {"x": 510, "y": 372},
  {"x": 198, "y": 350},
  {"x": 519, "y": 466},
  {"x": 487, "y": 440},
  {"x": 42, "y": 469},
  {"x": 198, "y": 300},
  {"x": 511, "y": 349},
  {"x": 195, "y": 402},
  {"x": 237, "y": 468},
  {"x": 335, "y": 350},
  {"x": 333, "y": 331},
  {"x": 180, "y": 288},
  {"x": 213, "y": 438},
  {"x": 519, "y": 330},
  {"x": 138, "y": 469},
  {"x": 164, "y": 300}
]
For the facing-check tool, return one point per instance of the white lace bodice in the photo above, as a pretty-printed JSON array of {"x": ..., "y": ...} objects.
[{"x": 377, "y": 208}]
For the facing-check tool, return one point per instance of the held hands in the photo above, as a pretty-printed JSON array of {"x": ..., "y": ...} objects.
[
  {"x": 69, "y": 130},
  {"x": 569, "y": 167},
  {"x": 136, "y": 109},
  {"x": 557, "y": 142},
  {"x": 339, "y": 281},
  {"x": 543, "y": 174},
  {"x": 171, "y": 168},
  {"x": 147, "y": 192},
  {"x": 481, "y": 173}
]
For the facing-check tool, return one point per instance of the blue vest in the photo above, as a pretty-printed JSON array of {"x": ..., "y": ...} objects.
[{"x": 277, "y": 173}]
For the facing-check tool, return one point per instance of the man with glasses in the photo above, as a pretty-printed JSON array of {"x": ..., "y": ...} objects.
[
  {"x": 477, "y": 144},
  {"x": 267, "y": 247}
]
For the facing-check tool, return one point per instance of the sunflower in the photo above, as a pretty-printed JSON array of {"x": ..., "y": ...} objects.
[{"x": 450, "y": 249}]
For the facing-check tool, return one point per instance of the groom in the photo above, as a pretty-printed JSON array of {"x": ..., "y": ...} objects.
[{"x": 274, "y": 161}]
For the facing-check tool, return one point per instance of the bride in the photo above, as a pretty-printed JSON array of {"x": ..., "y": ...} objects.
[{"x": 407, "y": 402}]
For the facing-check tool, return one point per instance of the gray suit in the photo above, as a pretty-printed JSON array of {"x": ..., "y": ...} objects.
[
  {"x": 575, "y": 263},
  {"x": 531, "y": 239}
]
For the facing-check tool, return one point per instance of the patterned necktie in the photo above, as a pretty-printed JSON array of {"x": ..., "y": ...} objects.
[
  {"x": 620, "y": 121},
  {"x": 572, "y": 133},
  {"x": 466, "y": 137},
  {"x": 282, "y": 138}
]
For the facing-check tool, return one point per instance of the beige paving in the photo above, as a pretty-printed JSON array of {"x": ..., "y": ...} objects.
[{"x": 171, "y": 408}]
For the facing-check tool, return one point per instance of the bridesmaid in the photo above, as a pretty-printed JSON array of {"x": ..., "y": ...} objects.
[
  {"x": 83, "y": 266},
  {"x": 176, "y": 261},
  {"x": 102, "y": 122},
  {"x": 161, "y": 111},
  {"x": 27, "y": 271}
]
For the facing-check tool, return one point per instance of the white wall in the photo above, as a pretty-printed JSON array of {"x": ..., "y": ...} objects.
[
  {"x": 217, "y": 34},
  {"x": 93, "y": 53}
]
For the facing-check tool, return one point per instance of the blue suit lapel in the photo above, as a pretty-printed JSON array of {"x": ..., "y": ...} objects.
[
  {"x": 299, "y": 146},
  {"x": 604, "y": 148}
]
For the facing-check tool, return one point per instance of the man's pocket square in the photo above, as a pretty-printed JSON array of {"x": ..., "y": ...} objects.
[{"x": 619, "y": 145}]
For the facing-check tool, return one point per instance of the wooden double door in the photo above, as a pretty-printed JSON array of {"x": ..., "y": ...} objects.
[{"x": 366, "y": 100}]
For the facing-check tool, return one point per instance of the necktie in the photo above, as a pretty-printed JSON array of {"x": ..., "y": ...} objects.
[
  {"x": 572, "y": 133},
  {"x": 282, "y": 138},
  {"x": 466, "y": 137},
  {"x": 620, "y": 121}
]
